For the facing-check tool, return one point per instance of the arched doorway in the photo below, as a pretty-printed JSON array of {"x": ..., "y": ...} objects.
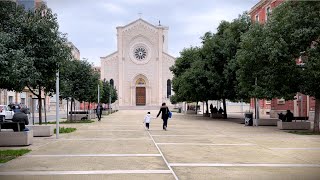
[{"x": 140, "y": 92}]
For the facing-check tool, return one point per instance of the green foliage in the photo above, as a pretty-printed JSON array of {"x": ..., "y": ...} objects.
[
  {"x": 79, "y": 81},
  {"x": 65, "y": 130},
  {"x": 220, "y": 51},
  {"x": 7, "y": 155},
  {"x": 14, "y": 62},
  {"x": 187, "y": 76},
  {"x": 107, "y": 89},
  {"x": 252, "y": 58}
]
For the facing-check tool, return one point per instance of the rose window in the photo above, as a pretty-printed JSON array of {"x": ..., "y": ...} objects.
[{"x": 140, "y": 53}]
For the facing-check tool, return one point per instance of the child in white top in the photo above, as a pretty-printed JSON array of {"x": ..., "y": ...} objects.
[{"x": 147, "y": 119}]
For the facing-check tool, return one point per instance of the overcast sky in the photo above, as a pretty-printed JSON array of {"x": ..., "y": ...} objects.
[{"x": 91, "y": 24}]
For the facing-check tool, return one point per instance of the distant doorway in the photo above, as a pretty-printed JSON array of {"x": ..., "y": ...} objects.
[{"x": 140, "y": 96}]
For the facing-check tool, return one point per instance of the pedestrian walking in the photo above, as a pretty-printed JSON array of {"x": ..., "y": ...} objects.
[
  {"x": 164, "y": 110},
  {"x": 147, "y": 120},
  {"x": 99, "y": 111}
]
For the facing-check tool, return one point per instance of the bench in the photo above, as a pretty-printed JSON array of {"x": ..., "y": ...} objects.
[
  {"x": 302, "y": 125},
  {"x": 216, "y": 116},
  {"x": 300, "y": 118},
  {"x": 41, "y": 130},
  {"x": 15, "y": 126},
  {"x": 293, "y": 125},
  {"x": 267, "y": 122},
  {"x": 82, "y": 115}
]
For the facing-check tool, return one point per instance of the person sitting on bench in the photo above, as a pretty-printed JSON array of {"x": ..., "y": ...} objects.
[
  {"x": 21, "y": 117},
  {"x": 289, "y": 116}
]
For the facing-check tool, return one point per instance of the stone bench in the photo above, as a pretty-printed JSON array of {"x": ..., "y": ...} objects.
[
  {"x": 294, "y": 125},
  {"x": 267, "y": 122},
  {"x": 11, "y": 138},
  {"x": 41, "y": 130},
  {"x": 216, "y": 116}
]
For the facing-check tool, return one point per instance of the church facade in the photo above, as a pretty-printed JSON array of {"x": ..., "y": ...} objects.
[{"x": 139, "y": 69}]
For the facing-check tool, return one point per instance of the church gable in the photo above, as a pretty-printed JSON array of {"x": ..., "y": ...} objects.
[{"x": 139, "y": 24}]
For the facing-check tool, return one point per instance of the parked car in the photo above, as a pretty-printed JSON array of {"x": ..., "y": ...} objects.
[
  {"x": 6, "y": 111},
  {"x": 16, "y": 108}
]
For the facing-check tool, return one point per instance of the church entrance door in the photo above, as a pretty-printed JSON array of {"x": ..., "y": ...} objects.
[{"x": 140, "y": 96}]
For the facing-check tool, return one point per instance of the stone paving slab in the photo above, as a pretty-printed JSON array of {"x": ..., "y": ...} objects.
[
  {"x": 198, "y": 139},
  {"x": 309, "y": 155},
  {"x": 92, "y": 177},
  {"x": 108, "y": 134},
  {"x": 98, "y": 147},
  {"x": 226, "y": 154},
  {"x": 261, "y": 173},
  {"x": 89, "y": 163}
]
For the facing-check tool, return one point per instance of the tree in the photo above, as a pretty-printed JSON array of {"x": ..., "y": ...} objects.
[
  {"x": 220, "y": 51},
  {"x": 294, "y": 29},
  {"x": 32, "y": 49},
  {"x": 79, "y": 81},
  {"x": 107, "y": 91},
  {"x": 13, "y": 60},
  {"x": 252, "y": 58}
]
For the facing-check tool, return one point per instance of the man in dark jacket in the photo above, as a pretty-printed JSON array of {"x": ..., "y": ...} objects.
[
  {"x": 99, "y": 111},
  {"x": 289, "y": 116},
  {"x": 164, "y": 110},
  {"x": 21, "y": 116}
]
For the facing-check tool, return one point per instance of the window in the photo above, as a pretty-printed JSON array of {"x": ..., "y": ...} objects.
[
  {"x": 257, "y": 18},
  {"x": 268, "y": 12},
  {"x": 168, "y": 88},
  {"x": 10, "y": 99},
  {"x": 111, "y": 83},
  {"x": 281, "y": 101},
  {"x": 140, "y": 81},
  {"x": 268, "y": 102},
  {"x": 23, "y": 101}
]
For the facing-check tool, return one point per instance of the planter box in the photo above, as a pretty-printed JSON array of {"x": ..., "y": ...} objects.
[
  {"x": 10, "y": 138},
  {"x": 106, "y": 112},
  {"x": 267, "y": 122},
  {"x": 294, "y": 125},
  {"x": 41, "y": 130},
  {"x": 78, "y": 117}
]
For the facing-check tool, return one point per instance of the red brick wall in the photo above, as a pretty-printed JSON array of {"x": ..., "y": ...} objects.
[{"x": 261, "y": 9}]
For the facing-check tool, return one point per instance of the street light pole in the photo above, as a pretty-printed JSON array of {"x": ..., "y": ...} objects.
[
  {"x": 257, "y": 105},
  {"x": 98, "y": 93},
  {"x": 57, "y": 105},
  {"x": 110, "y": 101}
]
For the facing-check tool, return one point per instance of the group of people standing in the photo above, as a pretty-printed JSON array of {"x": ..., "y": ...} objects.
[{"x": 214, "y": 110}]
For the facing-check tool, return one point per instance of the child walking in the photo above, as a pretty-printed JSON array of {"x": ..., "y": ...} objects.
[{"x": 147, "y": 120}]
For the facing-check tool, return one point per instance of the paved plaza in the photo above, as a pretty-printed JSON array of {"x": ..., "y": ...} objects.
[{"x": 194, "y": 147}]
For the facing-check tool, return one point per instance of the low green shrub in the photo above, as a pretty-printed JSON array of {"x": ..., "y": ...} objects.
[{"x": 65, "y": 130}]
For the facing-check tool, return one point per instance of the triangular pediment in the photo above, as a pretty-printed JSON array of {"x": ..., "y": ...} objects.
[{"x": 141, "y": 22}]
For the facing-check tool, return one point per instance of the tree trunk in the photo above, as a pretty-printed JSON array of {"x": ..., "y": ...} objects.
[
  {"x": 225, "y": 116},
  {"x": 40, "y": 106},
  {"x": 71, "y": 113},
  {"x": 67, "y": 109},
  {"x": 316, "y": 116},
  {"x": 207, "y": 111},
  {"x": 197, "y": 108},
  {"x": 45, "y": 108}
]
